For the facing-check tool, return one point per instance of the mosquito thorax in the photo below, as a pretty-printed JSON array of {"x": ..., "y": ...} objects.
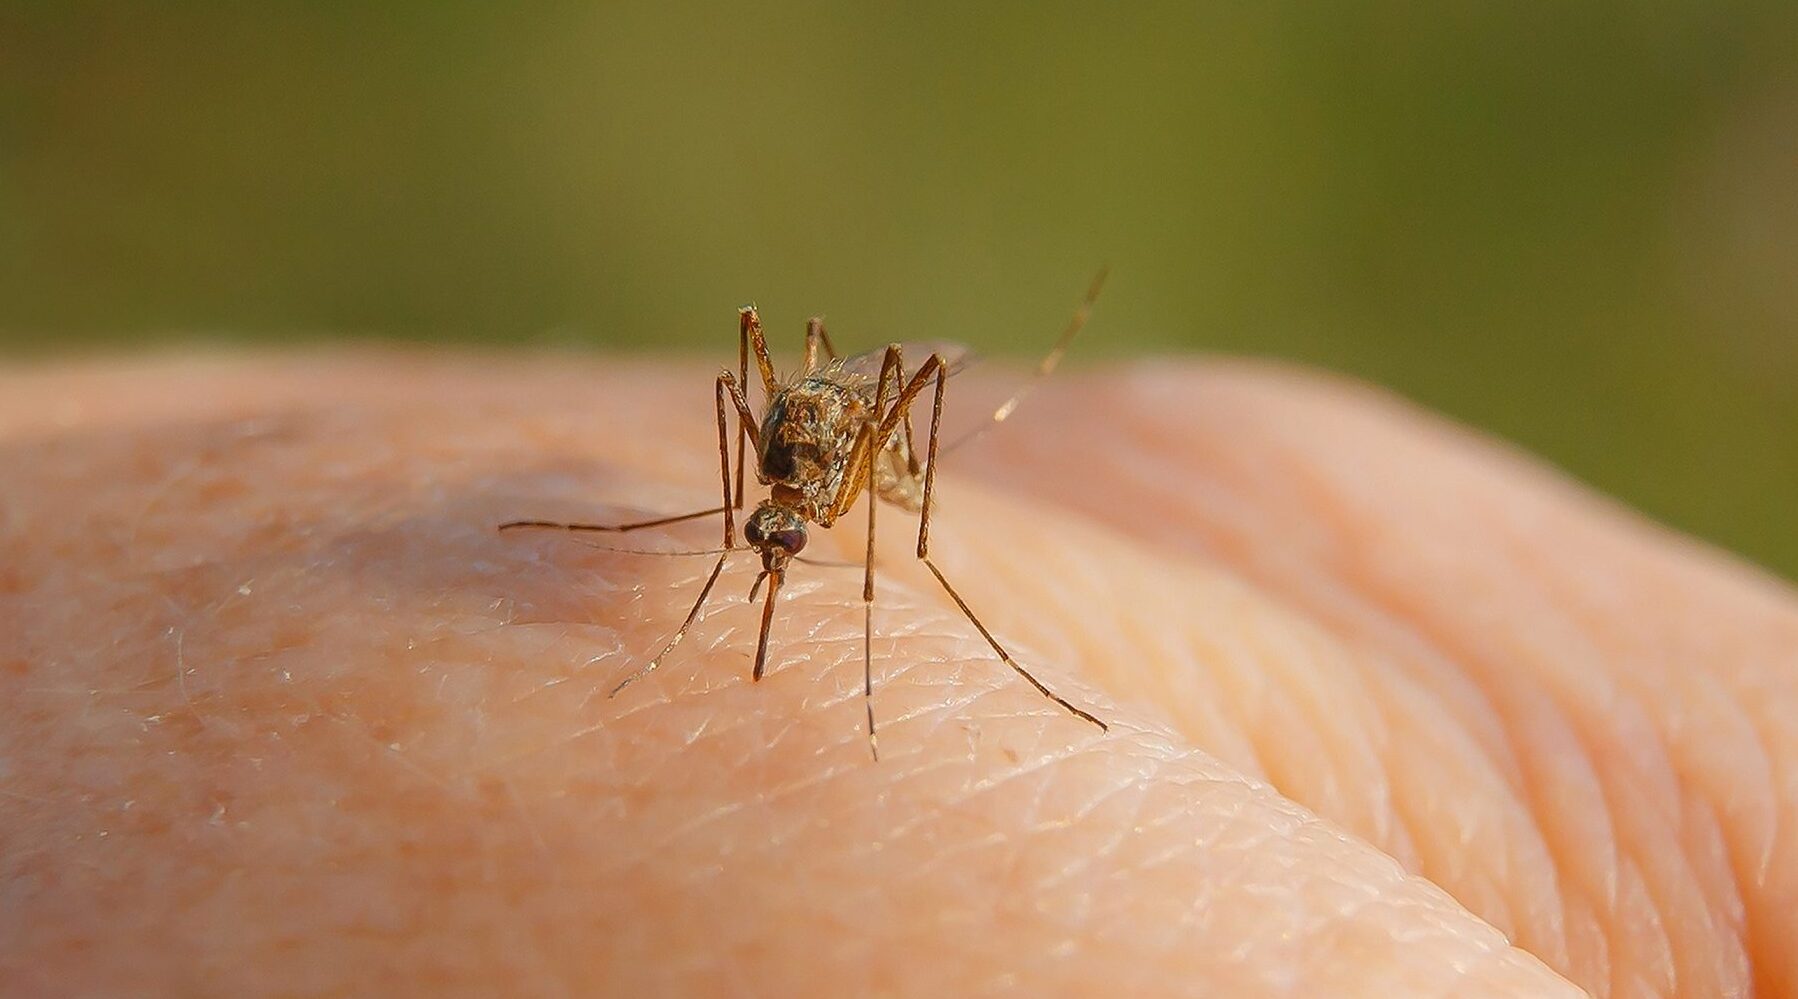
[
  {"x": 777, "y": 532},
  {"x": 806, "y": 437}
]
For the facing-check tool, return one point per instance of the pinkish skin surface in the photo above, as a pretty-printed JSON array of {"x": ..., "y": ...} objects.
[{"x": 283, "y": 715}]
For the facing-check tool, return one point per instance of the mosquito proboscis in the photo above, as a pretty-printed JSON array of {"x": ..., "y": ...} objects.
[{"x": 839, "y": 428}]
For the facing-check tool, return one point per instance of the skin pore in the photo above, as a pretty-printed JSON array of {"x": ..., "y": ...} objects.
[{"x": 1394, "y": 710}]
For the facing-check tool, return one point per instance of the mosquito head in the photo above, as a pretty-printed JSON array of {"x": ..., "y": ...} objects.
[{"x": 777, "y": 532}]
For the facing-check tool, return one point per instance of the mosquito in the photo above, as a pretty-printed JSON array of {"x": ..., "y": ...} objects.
[{"x": 839, "y": 428}]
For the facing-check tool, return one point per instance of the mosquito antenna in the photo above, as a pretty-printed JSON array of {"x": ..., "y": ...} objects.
[{"x": 1045, "y": 367}]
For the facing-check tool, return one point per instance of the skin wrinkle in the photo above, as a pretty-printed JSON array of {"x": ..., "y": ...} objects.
[
  {"x": 1231, "y": 742},
  {"x": 1701, "y": 813},
  {"x": 1647, "y": 952},
  {"x": 1474, "y": 711},
  {"x": 1177, "y": 489},
  {"x": 1678, "y": 675},
  {"x": 1260, "y": 660},
  {"x": 846, "y": 640},
  {"x": 1226, "y": 739},
  {"x": 999, "y": 556},
  {"x": 1409, "y": 831},
  {"x": 806, "y": 737},
  {"x": 1550, "y": 815},
  {"x": 1702, "y": 693},
  {"x": 1604, "y": 888},
  {"x": 1349, "y": 750},
  {"x": 1653, "y": 761},
  {"x": 1712, "y": 902}
]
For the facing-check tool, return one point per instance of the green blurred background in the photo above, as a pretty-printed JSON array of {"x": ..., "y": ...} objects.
[{"x": 1575, "y": 224}]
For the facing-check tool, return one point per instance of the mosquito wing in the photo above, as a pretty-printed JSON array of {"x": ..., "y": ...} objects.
[{"x": 956, "y": 356}]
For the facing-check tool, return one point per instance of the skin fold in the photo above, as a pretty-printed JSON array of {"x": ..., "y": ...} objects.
[{"x": 1394, "y": 711}]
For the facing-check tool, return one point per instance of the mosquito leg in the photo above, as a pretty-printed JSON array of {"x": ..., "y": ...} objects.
[
  {"x": 749, "y": 326},
  {"x": 892, "y": 383},
  {"x": 692, "y": 615},
  {"x": 750, "y": 340},
  {"x": 892, "y": 378},
  {"x": 726, "y": 386},
  {"x": 743, "y": 322},
  {"x": 815, "y": 339},
  {"x": 1045, "y": 367},
  {"x": 1006, "y": 656},
  {"x": 746, "y": 422},
  {"x": 719, "y": 389},
  {"x": 911, "y": 439},
  {"x": 892, "y": 375},
  {"x": 868, "y": 631},
  {"x": 894, "y": 367},
  {"x": 936, "y": 420},
  {"x": 933, "y": 367},
  {"x": 911, "y": 447}
]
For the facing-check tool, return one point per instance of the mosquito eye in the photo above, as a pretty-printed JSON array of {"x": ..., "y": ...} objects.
[{"x": 790, "y": 541}]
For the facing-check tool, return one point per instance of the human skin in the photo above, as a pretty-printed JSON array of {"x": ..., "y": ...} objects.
[{"x": 1393, "y": 710}]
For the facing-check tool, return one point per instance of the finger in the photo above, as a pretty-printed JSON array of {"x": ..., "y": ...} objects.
[
  {"x": 289, "y": 715},
  {"x": 1577, "y": 723}
]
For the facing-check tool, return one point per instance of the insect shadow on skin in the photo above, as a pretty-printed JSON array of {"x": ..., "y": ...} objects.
[{"x": 839, "y": 428}]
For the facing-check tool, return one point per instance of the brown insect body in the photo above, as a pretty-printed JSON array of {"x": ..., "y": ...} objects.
[
  {"x": 839, "y": 428},
  {"x": 807, "y": 439},
  {"x": 807, "y": 435}
]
